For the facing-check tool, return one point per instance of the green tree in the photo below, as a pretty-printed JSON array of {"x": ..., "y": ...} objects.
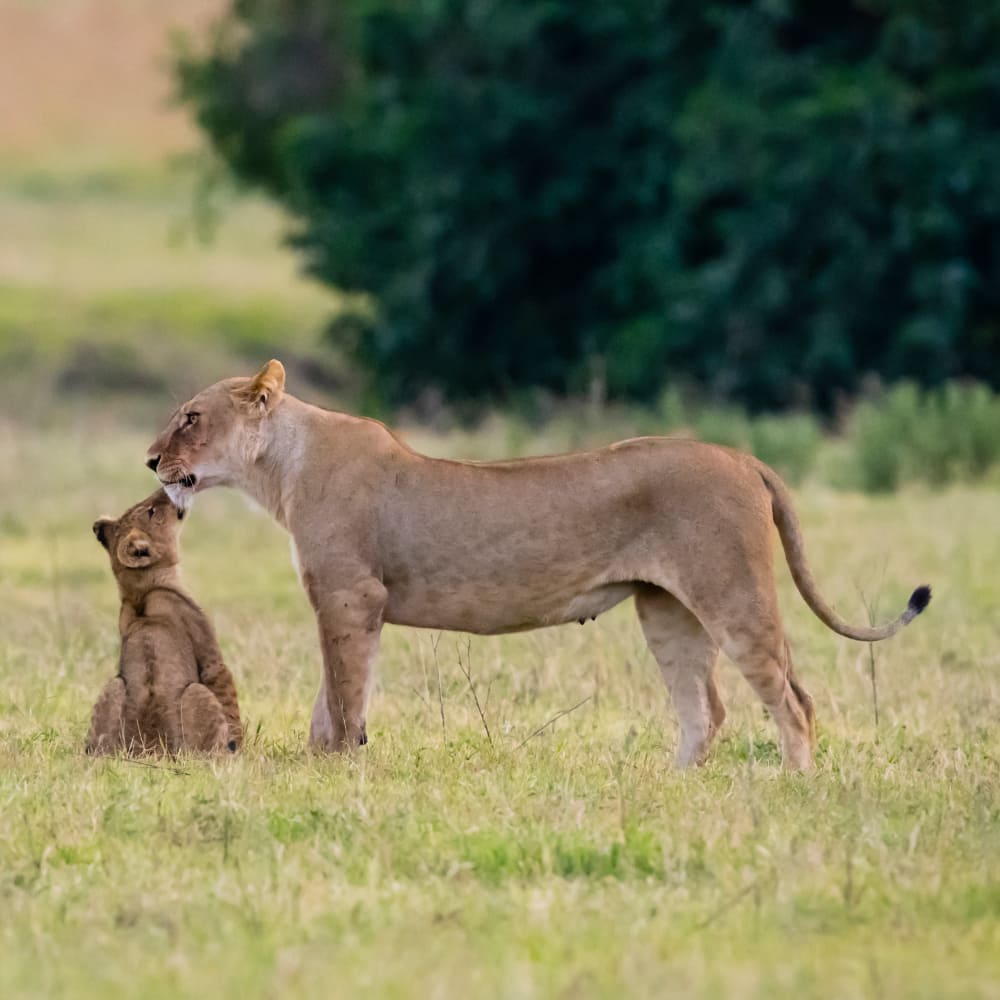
[{"x": 771, "y": 198}]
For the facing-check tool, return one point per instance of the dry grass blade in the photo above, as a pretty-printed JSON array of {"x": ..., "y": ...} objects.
[
  {"x": 153, "y": 767},
  {"x": 466, "y": 669},
  {"x": 555, "y": 718}
]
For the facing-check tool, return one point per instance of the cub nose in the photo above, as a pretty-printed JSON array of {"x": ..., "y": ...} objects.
[{"x": 153, "y": 462}]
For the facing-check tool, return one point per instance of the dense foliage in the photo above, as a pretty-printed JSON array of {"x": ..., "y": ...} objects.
[{"x": 770, "y": 199}]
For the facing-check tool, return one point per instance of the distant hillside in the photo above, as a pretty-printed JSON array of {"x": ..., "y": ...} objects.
[{"x": 108, "y": 298}]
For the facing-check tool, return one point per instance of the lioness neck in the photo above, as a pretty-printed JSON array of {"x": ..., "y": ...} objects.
[
  {"x": 280, "y": 460},
  {"x": 276, "y": 460}
]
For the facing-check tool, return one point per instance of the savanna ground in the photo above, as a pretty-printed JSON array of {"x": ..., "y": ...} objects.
[{"x": 442, "y": 859}]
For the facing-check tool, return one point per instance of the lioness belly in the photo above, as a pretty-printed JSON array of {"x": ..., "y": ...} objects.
[{"x": 487, "y": 610}]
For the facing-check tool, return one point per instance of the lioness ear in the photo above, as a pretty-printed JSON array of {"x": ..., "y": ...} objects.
[
  {"x": 266, "y": 387},
  {"x": 100, "y": 528}
]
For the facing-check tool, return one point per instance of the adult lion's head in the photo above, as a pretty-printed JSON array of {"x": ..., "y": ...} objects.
[{"x": 215, "y": 435}]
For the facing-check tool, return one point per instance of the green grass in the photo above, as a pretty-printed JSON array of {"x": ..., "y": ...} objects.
[{"x": 433, "y": 863}]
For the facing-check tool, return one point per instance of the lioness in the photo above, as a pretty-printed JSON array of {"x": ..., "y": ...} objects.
[
  {"x": 382, "y": 534},
  {"x": 172, "y": 690}
]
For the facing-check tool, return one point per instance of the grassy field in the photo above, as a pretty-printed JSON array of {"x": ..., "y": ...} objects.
[
  {"x": 115, "y": 263},
  {"x": 441, "y": 860},
  {"x": 102, "y": 293},
  {"x": 444, "y": 861}
]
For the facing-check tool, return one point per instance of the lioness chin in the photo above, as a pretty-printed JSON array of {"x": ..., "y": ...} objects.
[{"x": 382, "y": 534}]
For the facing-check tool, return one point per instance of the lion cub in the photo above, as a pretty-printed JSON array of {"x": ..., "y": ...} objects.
[{"x": 172, "y": 690}]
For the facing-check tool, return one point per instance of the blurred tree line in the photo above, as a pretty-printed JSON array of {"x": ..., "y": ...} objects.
[{"x": 769, "y": 198}]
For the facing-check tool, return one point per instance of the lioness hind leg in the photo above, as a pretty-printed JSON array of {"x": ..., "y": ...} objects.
[
  {"x": 767, "y": 667},
  {"x": 203, "y": 722},
  {"x": 758, "y": 647},
  {"x": 687, "y": 656},
  {"x": 106, "y": 730}
]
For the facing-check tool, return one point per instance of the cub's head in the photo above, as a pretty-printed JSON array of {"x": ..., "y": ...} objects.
[
  {"x": 145, "y": 537},
  {"x": 215, "y": 435}
]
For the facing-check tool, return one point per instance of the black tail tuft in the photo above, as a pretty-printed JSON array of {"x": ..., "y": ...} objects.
[{"x": 919, "y": 599}]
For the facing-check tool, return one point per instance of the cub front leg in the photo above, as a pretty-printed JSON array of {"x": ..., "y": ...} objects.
[
  {"x": 106, "y": 723},
  {"x": 350, "y": 623}
]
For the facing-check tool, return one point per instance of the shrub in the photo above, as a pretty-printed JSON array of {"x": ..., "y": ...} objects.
[
  {"x": 972, "y": 415},
  {"x": 768, "y": 198},
  {"x": 789, "y": 444},
  {"x": 933, "y": 437},
  {"x": 879, "y": 435},
  {"x": 725, "y": 425}
]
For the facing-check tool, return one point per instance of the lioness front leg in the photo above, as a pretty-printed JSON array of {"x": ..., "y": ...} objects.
[
  {"x": 106, "y": 734},
  {"x": 350, "y": 623}
]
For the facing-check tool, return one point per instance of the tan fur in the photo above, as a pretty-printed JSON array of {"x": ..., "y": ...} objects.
[
  {"x": 383, "y": 534},
  {"x": 173, "y": 690}
]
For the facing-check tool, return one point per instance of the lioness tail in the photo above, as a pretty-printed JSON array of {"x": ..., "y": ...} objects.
[{"x": 791, "y": 539}]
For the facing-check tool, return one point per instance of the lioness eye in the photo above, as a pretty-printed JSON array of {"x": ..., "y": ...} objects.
[
  {"x": 152, "y": 511},
  {"x": 191, "y": 419}
]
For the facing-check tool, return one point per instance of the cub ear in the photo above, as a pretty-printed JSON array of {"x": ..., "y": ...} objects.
[
  {"x": 265, "y": 388},
  {"x": 101, "y": 528}
]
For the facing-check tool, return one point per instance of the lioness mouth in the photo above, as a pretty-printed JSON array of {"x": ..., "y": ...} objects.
[
  {"x": 181, "y": 492},
  {"x": 188, "y": 482}
]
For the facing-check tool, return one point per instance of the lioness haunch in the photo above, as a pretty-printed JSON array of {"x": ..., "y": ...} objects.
[
  {"x": 172, "y": 691},
  {"x": 382, "y": 534}
]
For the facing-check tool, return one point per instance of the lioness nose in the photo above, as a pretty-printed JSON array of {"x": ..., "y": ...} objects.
[{"x": 153, "y": 462}]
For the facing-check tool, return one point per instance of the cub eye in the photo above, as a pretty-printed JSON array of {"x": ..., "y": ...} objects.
[
  {"x": 190, "y": 419},
  {"x": 151, "y": 512}
]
